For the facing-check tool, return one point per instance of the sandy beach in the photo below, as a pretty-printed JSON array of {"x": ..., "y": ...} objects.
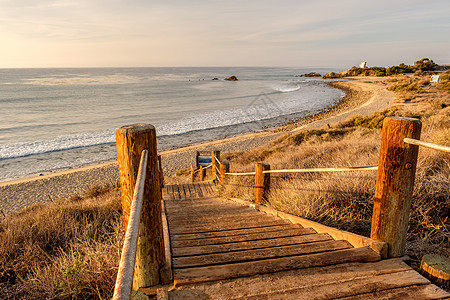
[{"x": 365, "y": 96}]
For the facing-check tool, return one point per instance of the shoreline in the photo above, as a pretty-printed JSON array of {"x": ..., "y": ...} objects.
[{"x": 22, "y": 192}]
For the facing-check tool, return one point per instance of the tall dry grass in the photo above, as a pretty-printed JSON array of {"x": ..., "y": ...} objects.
[
  {"x": 345, "y": 200},
  {"x": 62, "y": 250}
]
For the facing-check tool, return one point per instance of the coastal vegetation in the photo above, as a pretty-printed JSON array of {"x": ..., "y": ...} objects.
[
  {"x": 67, "y": 249},
  {"x": 424, "y": 66}
]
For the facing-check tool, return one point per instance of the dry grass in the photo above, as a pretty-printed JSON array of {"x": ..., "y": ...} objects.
[
  {"x": 345, "y": 200},
  {"x": 65, "y": 249}
]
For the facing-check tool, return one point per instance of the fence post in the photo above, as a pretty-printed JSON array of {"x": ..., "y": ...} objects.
[
  {"x": 161, "y": 171},
  {"x": 395, "y": 183},
  {"x": 262, "y": 182},
  {"x": 197, "y": 154},
  {"x": 215, "y": 155},
  {"x": 202, "y": 173},
  {"x": 192, "y": 174},
  {"x": 131, "y": 140},
  {"x": 224, "y": 168}
]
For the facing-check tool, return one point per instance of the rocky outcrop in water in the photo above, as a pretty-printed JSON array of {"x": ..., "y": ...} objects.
[
  {"x": 312, "y": 74},
  {"x": 231, "y": 78}
]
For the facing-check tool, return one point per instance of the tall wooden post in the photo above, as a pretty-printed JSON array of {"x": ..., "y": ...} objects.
[
  {"x": 202, "y": 173},
  {"x": 224, "y": 168},
  {"x": 192, "y": 174},
  {"x": 215, "y": 156},
  {"x": 395, "y": 183},
  {"x": 131, "y": 140},
  {"x": 262, "y": 182},
  {"x": 161, "y": 173}
]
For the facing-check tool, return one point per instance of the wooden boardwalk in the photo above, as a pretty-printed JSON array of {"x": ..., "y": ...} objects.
[{"x": 225, "y": 250}]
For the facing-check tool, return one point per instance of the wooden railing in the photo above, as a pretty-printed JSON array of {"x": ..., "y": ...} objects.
[
  {"x": 395, "y": 180},
  {"x": 144, "y": 255},
  {"x": 124, "y": 281}
]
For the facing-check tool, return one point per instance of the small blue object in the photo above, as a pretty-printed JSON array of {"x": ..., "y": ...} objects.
[
  {"x": 434, "y": 78},
  {"x": 204, "y": 160}
]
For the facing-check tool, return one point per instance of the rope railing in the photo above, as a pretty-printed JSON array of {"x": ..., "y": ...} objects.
[
  {"x": 341, "y": 169},
  {"x": 427, "y": 144},
  {"x": 124, "y": 281},
  {"x": 204, "y": 168}
]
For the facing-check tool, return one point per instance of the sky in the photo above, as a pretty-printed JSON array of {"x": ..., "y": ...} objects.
[{"x": 283, "y": 33}]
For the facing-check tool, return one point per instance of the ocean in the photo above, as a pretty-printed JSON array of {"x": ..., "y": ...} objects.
[{"x": 54, "y": 119}]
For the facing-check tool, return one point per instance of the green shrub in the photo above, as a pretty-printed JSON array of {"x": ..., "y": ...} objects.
[
  {"x": 425, "y": 64},
  {"x": 400, "y": 69},
  {"x": 374, "y": 121}
]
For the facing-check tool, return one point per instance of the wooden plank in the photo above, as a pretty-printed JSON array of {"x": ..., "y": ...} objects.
[
  {"x": 249, "y": 217},
  {"x": 356, "y": 288},
  {"x": 225, "y": 233},
  {"x": 290, "y": 231},
  {"x": 203, "y": 188},
  {"x": 176, "y": 192},
  {"x": 185, "y": 191},
  {"x": 193, "y": 190},
  {"x": 258, "y": 254},
  {"x": 199, "y": 190},
  {"x": 208, "y": 186},
  {"x": 167, "y": 192},
  {"x": 228, "y": 271},
  {"x": 417, "y": 292},
  {"x": 182, "y": 208},
  {"x": 258, "y": 244},
  {"x": 294, "y": 279},
  {"x": 212, "y": 215},
  {"x": 220, "y": 227}
]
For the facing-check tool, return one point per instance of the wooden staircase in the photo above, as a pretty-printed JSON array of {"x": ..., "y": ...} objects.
[{"x": 225, "y": 250}]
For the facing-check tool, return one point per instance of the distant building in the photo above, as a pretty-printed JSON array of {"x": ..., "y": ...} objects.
[{"x": 363, "y": 64}]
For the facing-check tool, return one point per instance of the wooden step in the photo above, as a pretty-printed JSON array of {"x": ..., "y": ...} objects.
[
  {"x": 258, "y": 244},
  {"x": 258, "y": 254},
  {"x": 245, "y": 236},
  {"x": 223, "y": 226},
  {"x": 208, "y": 221},
  {"x": 228, "y": 271},
  {"x": 225, "y": 233}
]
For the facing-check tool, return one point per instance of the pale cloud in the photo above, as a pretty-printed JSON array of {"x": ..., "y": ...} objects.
[{"x": 180, "y": 32}]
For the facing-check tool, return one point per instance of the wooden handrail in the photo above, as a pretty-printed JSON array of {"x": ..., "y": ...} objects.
[
  {"x": 427, "y": 144},
  {"x": 124, "y": 281}
]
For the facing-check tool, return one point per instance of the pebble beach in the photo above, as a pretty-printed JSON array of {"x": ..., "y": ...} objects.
[{"x": 18, "y": 194}]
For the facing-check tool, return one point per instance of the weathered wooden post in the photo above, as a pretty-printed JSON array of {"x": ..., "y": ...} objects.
[
  {"x": 395, "y": 183},
  {"x": 262, "y": 182},
  {"x": 197, "y": 154},
  {"x": 202, "y": 173},
  {"x": 215, "y": 157},
  {"x": 131, "y": 140},
  {"x": 192, "y": 174},
  {"x": 161, "y": 171},
  {"x": 224, "y": 168}
]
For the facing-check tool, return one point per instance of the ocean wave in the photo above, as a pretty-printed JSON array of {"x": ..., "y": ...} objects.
[
  {"x": 66, "y": 142},
  {"x": 288, "y": 88}
]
